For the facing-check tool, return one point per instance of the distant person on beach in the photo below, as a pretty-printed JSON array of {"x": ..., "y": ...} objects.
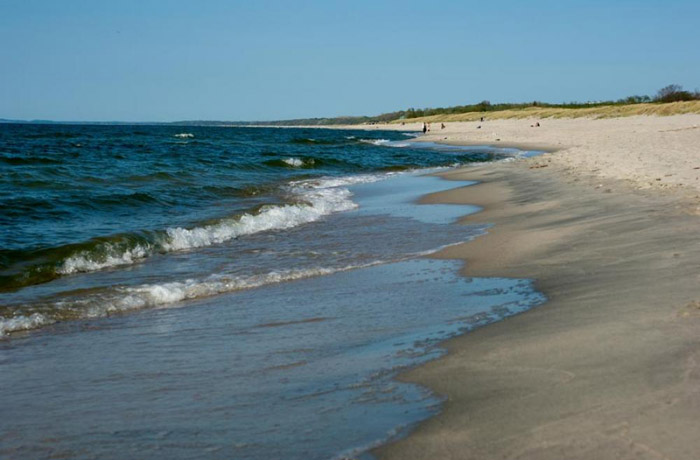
[
  {"x": 425, "y": 127},
  {"x": 442, "y": 125},
  {"x": 482, "y": 119}
]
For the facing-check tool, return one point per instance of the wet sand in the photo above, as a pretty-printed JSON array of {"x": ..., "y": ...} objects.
[{"x": 609, "y": 367}]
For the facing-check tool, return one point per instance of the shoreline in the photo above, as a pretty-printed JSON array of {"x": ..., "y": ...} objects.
[
  {"x": 648, "y": 152},
  {"x": 619, "y": 263},
  {"x": 608, "y": 366}
]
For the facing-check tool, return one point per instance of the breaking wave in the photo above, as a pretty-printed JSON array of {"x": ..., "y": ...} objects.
[
  {"x": 386, "y": 142},
  {"x": 124, "y": 299},
  {"x": 310, "y": 201},
  {"x": 318, "y": 203},
  {"x": 86, "y": 304},
  {"x": 292, "y": 162}
]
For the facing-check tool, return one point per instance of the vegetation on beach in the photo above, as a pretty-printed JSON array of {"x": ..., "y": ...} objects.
[
  {"x": 670, "y": 100},
  {"x": 601, "y": 111}
]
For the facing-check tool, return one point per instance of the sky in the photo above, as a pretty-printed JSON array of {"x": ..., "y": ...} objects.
[{"x": 167, "y": 60}]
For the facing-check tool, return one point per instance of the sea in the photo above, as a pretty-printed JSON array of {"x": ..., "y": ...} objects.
[{"x": 189, "y": 292}]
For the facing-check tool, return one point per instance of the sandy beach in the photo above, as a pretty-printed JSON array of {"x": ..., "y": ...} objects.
[
  {"x": 607, "y": 224},
  {"x": 185, "y": 352}
]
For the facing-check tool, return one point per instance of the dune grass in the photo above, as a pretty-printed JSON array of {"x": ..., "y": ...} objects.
[{"x": 608, "y": 111}]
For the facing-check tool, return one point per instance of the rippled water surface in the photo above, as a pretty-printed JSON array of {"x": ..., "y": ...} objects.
[
  {"x": 170, "y": 292},
  {"x": 82, "y": 200}
]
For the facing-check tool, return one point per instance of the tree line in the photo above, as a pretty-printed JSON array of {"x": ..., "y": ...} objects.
[{"x": 670, "y": 93}]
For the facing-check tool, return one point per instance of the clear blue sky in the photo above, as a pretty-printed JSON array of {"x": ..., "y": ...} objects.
[{"x": 151, "y": 60}]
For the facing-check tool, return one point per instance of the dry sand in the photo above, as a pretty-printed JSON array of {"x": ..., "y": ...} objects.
[{"x": 609, "y": 367}]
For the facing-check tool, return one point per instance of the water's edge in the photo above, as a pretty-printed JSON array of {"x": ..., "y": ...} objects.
[
  {"x": 401, "y": 432},
  {"x": 423, "y": 345}
]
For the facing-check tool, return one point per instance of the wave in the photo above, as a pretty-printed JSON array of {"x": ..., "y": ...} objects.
[
  {"x": 244, "y": 191},
  {"x": 123, "y": 199},
  {"x": 90, "y": 303},
  {"x": 375, "y": 141},
  {"x": 291, "y": 162},
  {"x": 336, "y": 182},
  {"x": 24, "y": 205},
  {"x": 20, "y": 161},
  {"x": 184, "y": 135},
  {"x": 22, "y": 268},
  {"x": 309, "y": 162},
  {"x": 386, "y": 143},
  {"x": 312, "y": 141},
  {"x": 24, "y": 323},
  {"x": 28, "y": 208},
  {"x": 269, "y": 217},
  {"x": 298, "y": 162},
  {"x": 124, "y": 299},
  {"x": 398, "y": 168},
  {"x": 313, "y": 200},
  {"x": 307, "y": 200}
]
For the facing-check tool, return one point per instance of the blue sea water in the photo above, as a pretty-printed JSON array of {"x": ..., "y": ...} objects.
[{"x": 220, "y": 292}]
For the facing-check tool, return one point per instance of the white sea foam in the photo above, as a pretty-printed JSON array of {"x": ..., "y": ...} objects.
[
  {"x": 160, "y": 295},
  {"x": 184, "y": 135},
  {"x": 84, "y": 261},
  {"x": 295, "y": 162},
  {"x": 386, "y": 142},
  {"x": 376, "y": 141},
  {"x": 319, "y": 203},
  {"x": 166, "y": 294},
  {"x": 316, "y": 200},
  {"x": 336, "y": 182},
  {"x": 23, "y": 323}
]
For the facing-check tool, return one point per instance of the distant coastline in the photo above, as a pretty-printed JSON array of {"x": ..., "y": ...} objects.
[{"x": 672, "y": 100}]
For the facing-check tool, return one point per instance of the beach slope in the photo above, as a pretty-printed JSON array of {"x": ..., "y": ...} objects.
[{"x": 609, "y": 367}]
